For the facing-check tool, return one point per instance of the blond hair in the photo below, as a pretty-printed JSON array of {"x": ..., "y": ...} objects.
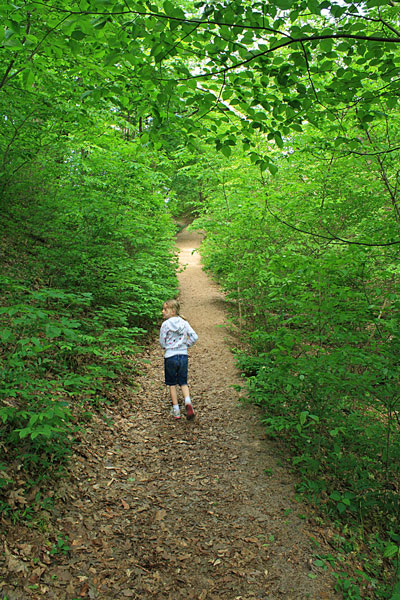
[{"x": 174, "y": 305}]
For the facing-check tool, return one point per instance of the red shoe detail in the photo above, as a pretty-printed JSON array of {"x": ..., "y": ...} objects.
[{"x": 189, "y": 412}]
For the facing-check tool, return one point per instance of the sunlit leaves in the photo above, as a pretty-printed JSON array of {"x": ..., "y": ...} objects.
[{"x": 248, "y": 52}]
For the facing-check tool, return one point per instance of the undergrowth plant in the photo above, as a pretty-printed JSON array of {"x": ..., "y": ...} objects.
[
  {"x": 318, "y": 321},
  {"x": 76, "y": 306}
]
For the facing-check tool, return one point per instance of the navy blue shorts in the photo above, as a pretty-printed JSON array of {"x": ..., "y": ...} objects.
[{"x": 176, "y": 369}]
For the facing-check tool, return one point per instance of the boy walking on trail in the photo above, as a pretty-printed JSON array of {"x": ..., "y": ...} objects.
[{"x": 176, "y": 336}]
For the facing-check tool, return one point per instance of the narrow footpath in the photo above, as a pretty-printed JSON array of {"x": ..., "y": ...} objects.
[{"x": 161, "y": 509}]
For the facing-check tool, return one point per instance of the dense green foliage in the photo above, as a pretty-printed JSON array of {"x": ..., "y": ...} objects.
[
  {"x": 88, "y": 259},
  {"x": 312, "y": 276},
  {"x": 117, "y": 114}
]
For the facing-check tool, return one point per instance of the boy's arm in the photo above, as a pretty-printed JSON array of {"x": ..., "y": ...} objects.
[
  {"x": 192, "y": 336},
  {"x": 162, "y": 336}
]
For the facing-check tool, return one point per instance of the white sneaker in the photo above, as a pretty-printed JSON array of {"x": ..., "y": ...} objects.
[{"x": 176, "y": 414}]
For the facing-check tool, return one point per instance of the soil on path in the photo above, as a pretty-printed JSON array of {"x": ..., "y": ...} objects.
[{"x": 177, "y": 510}]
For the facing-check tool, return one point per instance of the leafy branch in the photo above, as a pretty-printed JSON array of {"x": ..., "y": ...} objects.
[{"x": 332, "y": 238}]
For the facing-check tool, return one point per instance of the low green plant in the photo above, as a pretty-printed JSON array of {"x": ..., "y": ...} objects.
[
  {"x": 74, "y": 310},
  {"x": 318, "y": 327},
  {"x": 61, "y": 546}
]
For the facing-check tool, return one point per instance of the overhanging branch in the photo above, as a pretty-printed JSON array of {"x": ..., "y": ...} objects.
[{"x": 333, "y": 239}]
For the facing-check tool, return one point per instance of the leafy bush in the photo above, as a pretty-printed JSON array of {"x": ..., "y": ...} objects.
[
  {"x": 88, "y": 267},
  {"x": 319, "y": 326}
]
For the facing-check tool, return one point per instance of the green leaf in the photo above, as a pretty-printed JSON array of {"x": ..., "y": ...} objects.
[
  {"x": 23, "y": 433},
  {"x": 278, "y": 139},
  {"x": 28, "y": 78},
  {"x": 32, "y": 39},
  {"x": 391, "y": 550},
  {"x": 13, "y": 43},
  {"x": 6, "y": 335},
  {"x": 8, "y": 33},
  {"x": 172, "y": 10},
  {"x": 336, "y": 496},
  {"x": 283, "y": 4},
  {"x": 327, "y": 65},
  {"x": 303, "y": 417},
  {"x": 326, "y": 45},
  {"x": 273, "y": 169},
  {"x": 373, "y": 3},
  {"x": 78, "y": 34},
  {"x": 314, "y": 6},
  {"x": 53, "y": 331}
]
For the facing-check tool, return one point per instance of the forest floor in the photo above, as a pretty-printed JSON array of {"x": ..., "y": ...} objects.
[{"x": 154, "y": 508}]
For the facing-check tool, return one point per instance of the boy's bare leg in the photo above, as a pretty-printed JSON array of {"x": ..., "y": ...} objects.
[
  {"x": 185, "y": 391},
  {"x": 174, "y": 399},
  {"x": 173, "y": 394}
]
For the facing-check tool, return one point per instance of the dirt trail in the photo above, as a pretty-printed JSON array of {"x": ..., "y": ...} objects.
[{"x": 199, "y": 510}]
